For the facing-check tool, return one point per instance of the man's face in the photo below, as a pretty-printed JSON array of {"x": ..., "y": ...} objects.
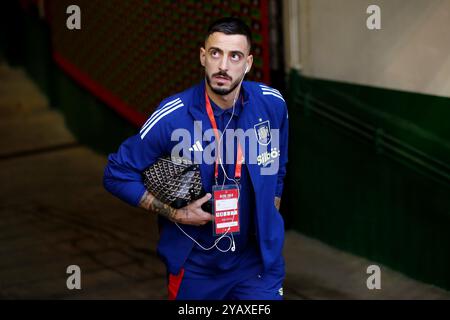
[{"x": 224, "y": 58}]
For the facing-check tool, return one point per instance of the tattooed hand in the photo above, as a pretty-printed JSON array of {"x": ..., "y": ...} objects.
[{"x": 191, "y": 214}]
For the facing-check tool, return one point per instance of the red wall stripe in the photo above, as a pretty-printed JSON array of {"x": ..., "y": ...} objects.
[{"x": 100, "y": 92}]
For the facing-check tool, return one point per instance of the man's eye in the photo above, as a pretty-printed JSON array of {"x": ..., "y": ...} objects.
[
  {"x": 214, "y": 54},
  {"x": 235, "y": 57}
]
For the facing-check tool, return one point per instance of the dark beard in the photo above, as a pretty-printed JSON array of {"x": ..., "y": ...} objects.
[{"x": 220, "y": 91}]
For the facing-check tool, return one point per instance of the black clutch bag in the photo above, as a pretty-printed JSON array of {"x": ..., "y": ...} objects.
[{"x": 176, "y": 182}]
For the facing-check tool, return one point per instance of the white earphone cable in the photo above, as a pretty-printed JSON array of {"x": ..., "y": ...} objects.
[{"x": 232, "y": 245}]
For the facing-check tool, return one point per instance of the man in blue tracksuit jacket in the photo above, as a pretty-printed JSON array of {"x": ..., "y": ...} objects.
[{"x": 201, "y": 265}]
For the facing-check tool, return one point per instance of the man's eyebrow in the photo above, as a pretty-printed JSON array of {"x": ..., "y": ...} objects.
[
  {"x": 215, "y": 48},
  {"x": 238, "y": 52},
  {"x": 220, "y": 50}
]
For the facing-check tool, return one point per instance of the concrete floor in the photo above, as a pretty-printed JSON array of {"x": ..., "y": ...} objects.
[{"x": 54, "y": 213}]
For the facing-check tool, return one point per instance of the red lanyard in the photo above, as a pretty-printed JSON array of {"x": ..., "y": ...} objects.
[{"x": 240, "y": 158}]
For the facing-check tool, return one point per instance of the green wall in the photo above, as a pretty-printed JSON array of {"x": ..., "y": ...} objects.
[{"x": 357, "y": 195}]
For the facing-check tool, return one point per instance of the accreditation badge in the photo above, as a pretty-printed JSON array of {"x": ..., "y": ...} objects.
[{"x": 226, "y": 209}]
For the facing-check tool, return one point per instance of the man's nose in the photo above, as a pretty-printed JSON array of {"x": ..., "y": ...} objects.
[{"x": 224, "y": 64}]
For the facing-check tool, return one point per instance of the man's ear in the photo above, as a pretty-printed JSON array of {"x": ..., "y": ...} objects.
[
  {"x": 202, "y": 56},
  {"x": 249, "y": 62}
]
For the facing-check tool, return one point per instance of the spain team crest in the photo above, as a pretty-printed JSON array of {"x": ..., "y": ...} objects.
[{"x": 262, "y": 131}]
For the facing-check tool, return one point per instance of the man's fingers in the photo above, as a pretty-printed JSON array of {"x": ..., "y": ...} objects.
[
  {"x": 208, "y": 216},
  {"x": 203, "y": 199},
  {"x": 195, "y": 215},
  {"x": 204, "y": 218}
]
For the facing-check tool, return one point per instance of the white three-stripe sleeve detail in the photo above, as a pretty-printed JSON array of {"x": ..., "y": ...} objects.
[
  {"x": 266, "y": 87},
  {"x": 154, "y": 118},
  {"x": 159, "y": 118},
  {"x": 273, "y": 94},
  {"x": 162, "y": 109},
  {"x": 270, "y": 90},
  {"x": 157, "y": 112}
]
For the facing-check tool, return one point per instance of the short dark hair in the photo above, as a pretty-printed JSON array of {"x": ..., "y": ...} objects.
[{"x": 231, "y": 25}]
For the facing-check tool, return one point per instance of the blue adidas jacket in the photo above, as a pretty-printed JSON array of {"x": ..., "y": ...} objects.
[{"x": 262, "y": 105}]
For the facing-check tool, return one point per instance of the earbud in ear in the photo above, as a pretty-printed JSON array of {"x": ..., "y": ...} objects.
[{"x": 246, "y": 68}]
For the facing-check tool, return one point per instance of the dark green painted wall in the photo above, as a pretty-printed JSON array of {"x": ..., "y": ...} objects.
[{"x": 354, "y": 197}]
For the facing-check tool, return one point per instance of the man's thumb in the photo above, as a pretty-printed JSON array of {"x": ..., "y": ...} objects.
[{"x": 203, "y": 199}]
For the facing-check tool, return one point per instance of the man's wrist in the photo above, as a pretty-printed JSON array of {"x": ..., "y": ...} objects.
[
  {"x": 145, "y": 201},
  {"x": 151, "y": 203}
]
